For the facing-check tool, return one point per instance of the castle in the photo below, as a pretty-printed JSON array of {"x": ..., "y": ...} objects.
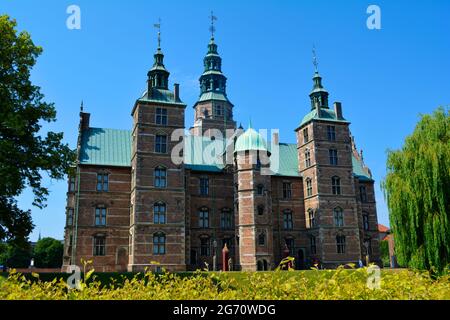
[{"x": 131, "y": 206}]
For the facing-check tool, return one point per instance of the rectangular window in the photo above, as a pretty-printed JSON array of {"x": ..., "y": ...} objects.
[
  {"x": 291, "y": 246},
  {"x": 161, "y": 116},
  {"x": 340, "y": 244},
  {"x": 203, "y": 218},
  {"x": 366, "y": 221},
  {"x": 204, "y": 186},
  {"x": 312, "y": 245},
  {"x": 99, "y": 246},
  {"x": 204, "y": 247},
  {"x": 71, "y": 184},
  {"x": 305, "y": 135},
  {"x": 218, "y": 110},
  {"x": 338, "y": 217},
  {"x": 159, "y": 213},
  {"x": 331, "y": 133},
  {"x": 332, "y": 153},
  {"x": 287, "y": 220},
  {"x": 307, "y": 158},
  {"x": 308, "y": 187},
  {"x": 161, "y": 144},
  {"x": 363, "y": 193},
  {"x": 287, "y": 190},
  {"x": 159, "y": 244},
  {"x": 311, "y": 218},
  {"x": 226, "y": 220},
  {"x": 70, "y": 216},
  {"x": 102, "y": 182},
  {"x": 160, "y": 178},
  {"x": 100, "y": 216},
  {"x": 336, "y": 185}
]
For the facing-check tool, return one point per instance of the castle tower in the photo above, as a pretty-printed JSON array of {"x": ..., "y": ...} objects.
[
  {"x": 157, "y": 223},
  {"x": 254, "y": 221},
  {"x": 325, "y": 163},
  {"x": 213, "y": 110}
]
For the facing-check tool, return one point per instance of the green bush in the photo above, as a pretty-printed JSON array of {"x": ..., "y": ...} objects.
[{"x": 285, "y": 285}]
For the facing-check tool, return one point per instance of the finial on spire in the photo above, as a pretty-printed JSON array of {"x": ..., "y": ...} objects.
[
  {"x": 158, "y": 26},
  {"x": 81, "y": 107},
  {"x": 315, "y": 63},
  {"x": 212, "y": 28}
]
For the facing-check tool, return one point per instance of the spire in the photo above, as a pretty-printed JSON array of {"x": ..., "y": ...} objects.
[
  {"x": 319, "y": 96},
  {"x": 212, "y": 28},
  {"x": 212, "y": 78},
  {"x": 81, "y": 106},
  {"x": 158, "y": 76}
]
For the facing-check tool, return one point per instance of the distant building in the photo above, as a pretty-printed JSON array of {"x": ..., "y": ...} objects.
[
  {"x": 386, "y": 235},
  {"x": 129, "y": 204}
]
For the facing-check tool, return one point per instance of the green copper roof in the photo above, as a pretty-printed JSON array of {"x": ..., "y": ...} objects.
[
  {"x": 287, "y": 162},
  {"x": 359, "y": 171},
  {"x": 203, "y": 154},
  {"x": 325, "y": 115},
  {"x": 250, "y": 140},
  {"x": 159, "y": 95},
  {"x": 109, "y": 147},
  {"x": 112, "y": 147},
  {"x": 210, "y": 95}
]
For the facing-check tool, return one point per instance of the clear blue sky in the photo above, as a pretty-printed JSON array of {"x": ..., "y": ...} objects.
[{"x": 384, "y": 78}]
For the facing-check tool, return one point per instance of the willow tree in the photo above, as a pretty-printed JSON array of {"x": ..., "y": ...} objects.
[{"x": 417, "y": 190}]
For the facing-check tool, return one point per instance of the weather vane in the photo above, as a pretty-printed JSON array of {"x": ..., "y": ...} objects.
[
  {"x": 315, "y": 63},
  {"x": 158, "y": 26},
  {"x": 212, "y": 29}
]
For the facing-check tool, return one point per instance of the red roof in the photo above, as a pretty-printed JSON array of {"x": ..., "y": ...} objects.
[{"x": 383, "y": 228}]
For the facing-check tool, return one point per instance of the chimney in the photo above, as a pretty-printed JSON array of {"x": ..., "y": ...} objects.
[
  {"x": 176, "y": 91},
  {"x": 338, "y": 110},
  {"x": 275, "y": 138},
  {"x": 84, "y": 121}
]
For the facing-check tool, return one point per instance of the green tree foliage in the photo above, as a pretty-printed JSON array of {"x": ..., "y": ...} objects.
[
  {"x": 384, "y": 250},
  {"x": 417, "y": 190},
  {"x": 48, "y": 253},
  {"x": 24, "y": 154},
  {"x": 15, "y": 256}
]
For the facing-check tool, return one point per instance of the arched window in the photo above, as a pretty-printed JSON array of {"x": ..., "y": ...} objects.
[
  {"x": 203, "y": 217},
  {"x": 311, "y": 218},
  {"x": 365, "y": 217},
  {"x": 308, "y": 187},
  {"x": 159, "y": 213},
  {"x": 159, "y": 243},
  {"x": 307, "y": 158},
  {"x": 338, "y": 215},
  {"x": 262, "y": 239},
  {"x": 340, "y": 243},
  {"x": 160, "y": 177},
  {"x": 287, "y": 220},
  {"x": 336, "y": 185},
  {"x": 259, "y": 189},
  {"x": 260, "y": 210}
]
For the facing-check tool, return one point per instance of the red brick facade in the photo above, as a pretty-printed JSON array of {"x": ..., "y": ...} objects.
[{"x": 154, "y": 213}]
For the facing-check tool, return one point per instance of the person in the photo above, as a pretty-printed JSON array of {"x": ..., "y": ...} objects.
[{"x": 360, "y": 263}]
